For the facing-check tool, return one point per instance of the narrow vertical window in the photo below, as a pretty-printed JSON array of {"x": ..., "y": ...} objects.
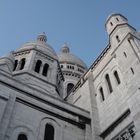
[
  {"x": 117, "y": 77},
  {"x": 22, "y": 63},
  {"x": 108, "y": 83},
  {"x": 37, "y": 66},
  {"x": 102, "y": 94},
  {"x": 132, "y": 70},
  {"x": 49, "y": 132},
  {"x": 15, "y": 65},
  {"x": 22, "y": 137},
  {"x": 111, "y": 23},
  {"x": 118, "y": 39},
  {"x": 45, "y": 69},
  {"x": 69, "y": 87},
  {"x": 125, "y": 54},
  {"x": 117, "y": 19}
]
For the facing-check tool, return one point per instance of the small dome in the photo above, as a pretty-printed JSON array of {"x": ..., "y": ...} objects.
[
  {"x": 40, "y": 44},
  {"x": 66, "y": 56}
]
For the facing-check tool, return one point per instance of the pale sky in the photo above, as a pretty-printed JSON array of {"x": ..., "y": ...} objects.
[{"x": 80, "y": 23}]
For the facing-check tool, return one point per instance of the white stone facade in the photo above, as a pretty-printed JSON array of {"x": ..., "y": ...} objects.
[
  {"x": 113, "y": 85},
  {"x": 104, "y": 104}
]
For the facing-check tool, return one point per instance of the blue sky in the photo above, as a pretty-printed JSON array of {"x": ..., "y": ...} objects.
[{"x": 80, "y": 23}]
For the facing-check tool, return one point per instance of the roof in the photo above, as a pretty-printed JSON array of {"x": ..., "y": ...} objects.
[
  {"x": 41, "y": 45},
  {"x": 66, "y": 57}
]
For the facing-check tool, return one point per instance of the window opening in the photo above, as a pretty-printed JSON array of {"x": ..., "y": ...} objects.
[
  {"x": 45, "y": 69},
  {"x": 49, "y": 132},
  {"x": 102, "y": 94},
  {"x": 15, "y": 65},
  {"x": 132, "y": 70},
  {"x": 38, "y": 65},
  {"x": 68, "y": 66},
  {"x": 22, "y": 137},
  {"x": 125, "y": 54},
  {"x": 117, "y": 77},
  {"x": 117, "y": 19},
  {"x": 111, "y": 23},
  {"x": 118, "y": 39},
  {"x": 22, "y": 63},
  {"x": 108, "y": 83},
  {"x": 69, "y": 87}
]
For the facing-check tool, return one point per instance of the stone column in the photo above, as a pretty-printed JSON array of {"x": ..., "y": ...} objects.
[
  {"x": 94, "y": 111},
  {"x": 6, "y": 116},
  {"x": 88, "y": 135}
]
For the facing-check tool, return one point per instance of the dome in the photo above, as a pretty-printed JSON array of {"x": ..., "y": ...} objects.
[
  {"x": 66, "y": 56},
  {"x": 40, "y": 44}
]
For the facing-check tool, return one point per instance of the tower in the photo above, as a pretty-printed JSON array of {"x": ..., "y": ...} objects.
[
  {"x": 36, "y": 64},
  {"x": 117, "y": 28},
  {"x": 72, "y": 67}
]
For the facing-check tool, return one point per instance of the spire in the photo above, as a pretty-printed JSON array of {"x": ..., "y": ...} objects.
[{"x": 42, "y": 37}]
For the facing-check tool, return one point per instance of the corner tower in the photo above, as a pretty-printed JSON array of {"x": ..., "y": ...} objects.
[
  {"x": 117, "y": 28},
  {"x": 72, "y": 67},
  {"x": 36, "y": 64}
]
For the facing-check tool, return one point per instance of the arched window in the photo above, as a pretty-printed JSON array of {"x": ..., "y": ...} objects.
[
  {"x": 15, "y": 65},
  {"x": 37, "y": 66},
  {"x": 69, "y": 87},
  {"x": 22, "y": 64},
  {"x": 108, "y": 83},
  {"x": 102, "y": 94},
  {"x": 132, "y": 70},
  {"x": 117, "y": 77},
  {"x": 68, "y": 66},
  {"x": 22, "y": 137},
  {"x": 117, "y": 37},
  {"x": 117, "y": 19},
  {"x": 49, "y": 132},
  {"x": 45, "y": 69},
  {"x": 125, "y": 54}
]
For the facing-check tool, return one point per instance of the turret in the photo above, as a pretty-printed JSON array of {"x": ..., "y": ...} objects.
[
  {"x": 36, "y": 64},
  {"x": 117, "y": 28},
  {"x": 72, "y": 67}
]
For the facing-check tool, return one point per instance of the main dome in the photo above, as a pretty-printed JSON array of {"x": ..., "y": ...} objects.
[
  {"x": 40, "y": 44},
  {"x": 66, "y": 57}
]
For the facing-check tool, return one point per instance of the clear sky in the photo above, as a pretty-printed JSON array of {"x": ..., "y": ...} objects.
[{"x": 80, "y": 23}]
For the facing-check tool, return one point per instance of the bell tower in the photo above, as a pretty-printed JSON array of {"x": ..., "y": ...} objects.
[{"x": 36, "y": 64}]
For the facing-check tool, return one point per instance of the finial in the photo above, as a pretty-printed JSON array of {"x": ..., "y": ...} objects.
[
  {"x": 65, "y": 48},
  {"x": 42, "y": 37}
]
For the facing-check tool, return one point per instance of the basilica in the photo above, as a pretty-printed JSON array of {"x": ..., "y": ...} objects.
[{"x": 49, "y": 96}]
